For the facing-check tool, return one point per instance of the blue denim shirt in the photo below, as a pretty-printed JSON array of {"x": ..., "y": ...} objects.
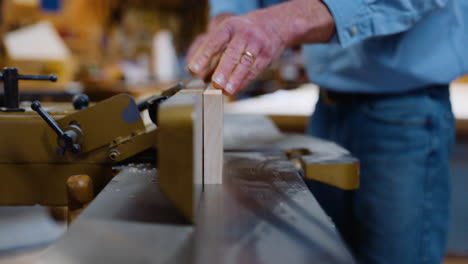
[{"x": 383, "y": 46}]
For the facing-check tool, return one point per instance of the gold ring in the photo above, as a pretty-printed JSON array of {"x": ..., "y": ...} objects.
[{"x": 249, "y": 54}]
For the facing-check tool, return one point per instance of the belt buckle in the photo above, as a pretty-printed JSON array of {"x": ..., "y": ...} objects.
[{"x": 326, "y": 98}]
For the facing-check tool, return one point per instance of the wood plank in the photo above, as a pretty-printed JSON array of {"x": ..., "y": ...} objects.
[
  {"x": 461, "y": 128},
  {"x": 291, "y": 123},
  {"x": 213, "y": 136}
]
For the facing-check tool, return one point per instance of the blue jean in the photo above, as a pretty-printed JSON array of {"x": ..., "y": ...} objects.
[{"x": 400, "y": 212}]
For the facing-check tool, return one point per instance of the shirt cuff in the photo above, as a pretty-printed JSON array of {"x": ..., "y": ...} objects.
[
  {"x": 352, "y": 20},
  {"x": 357, "y": 20}
]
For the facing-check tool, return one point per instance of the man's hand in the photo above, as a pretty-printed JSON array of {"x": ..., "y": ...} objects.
[
  {"x": 214, "y": 23},
  {"x": 238, "y": 48}
]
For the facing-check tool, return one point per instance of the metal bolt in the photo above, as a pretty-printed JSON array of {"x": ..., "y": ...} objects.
[{"x": 114, "y": 154}]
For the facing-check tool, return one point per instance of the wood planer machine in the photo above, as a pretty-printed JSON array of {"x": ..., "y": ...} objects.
[{"x": 204, "y": 186}]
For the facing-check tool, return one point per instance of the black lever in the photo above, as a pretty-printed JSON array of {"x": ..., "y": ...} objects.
[
  {"x": 66, "y": 140},
  {"x": 10, "y": 78},
  {"x": 152, "y": 103}
]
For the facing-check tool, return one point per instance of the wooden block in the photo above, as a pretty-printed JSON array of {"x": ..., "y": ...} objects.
[
  {"x": 190, "y": 146},
  {"x": 213, "y": 113},
  {"x": 48, "y": 55}
]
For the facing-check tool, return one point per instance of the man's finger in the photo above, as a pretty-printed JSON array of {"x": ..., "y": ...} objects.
[
  {"x": 208, "y": 73},
  {"x": 257, "y": 69},
  {"x": 244, "y": 68},
  {"x": 214, "y": 43},
  {"x": 228, "y": 62},
  {"x": 194, "y": 47}
]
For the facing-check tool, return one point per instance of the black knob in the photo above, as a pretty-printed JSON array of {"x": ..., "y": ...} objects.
[
  {"x": 10, "y": 78},
  {"x": 80, "y": 101},
  {"x": 66, "y": 141}
]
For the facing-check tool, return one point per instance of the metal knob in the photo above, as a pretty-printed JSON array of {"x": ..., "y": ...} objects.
[
  {"x": 66, "y": 140},
  {"x": 80, "y": 101}
]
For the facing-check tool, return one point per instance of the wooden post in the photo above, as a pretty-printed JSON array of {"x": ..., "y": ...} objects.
[{"x": 80, "y": 193}]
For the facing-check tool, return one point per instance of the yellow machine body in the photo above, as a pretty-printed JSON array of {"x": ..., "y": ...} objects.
[{"x": 32, "y": 171}]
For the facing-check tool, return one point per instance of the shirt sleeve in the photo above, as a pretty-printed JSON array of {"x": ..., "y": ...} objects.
[
  {"x": 357, "y": 20},
  {"x": 237, "y": 7}
]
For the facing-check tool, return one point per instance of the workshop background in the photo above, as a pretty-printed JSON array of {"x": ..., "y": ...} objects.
[{"x": 106, "y": 47}]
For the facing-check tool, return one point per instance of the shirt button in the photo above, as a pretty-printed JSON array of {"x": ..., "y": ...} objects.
[
  {"x": 353, "y": 31},
  {"x": 320, "y": 69}
]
